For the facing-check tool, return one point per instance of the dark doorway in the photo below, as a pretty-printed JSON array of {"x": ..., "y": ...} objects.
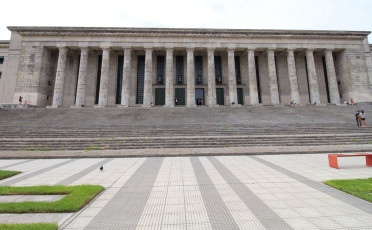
[
  {"x": 119, "y": 80},
  {"x": 180, "y": 96},
  {"x": 98, "y": 78},
  {"x": 240, "y": 96},
  {"x": 199, "y": 96},
  {"x": 220, "y": 96},
  {"x": 159, "y": 96},
  {"x": 140, "y": 79}
]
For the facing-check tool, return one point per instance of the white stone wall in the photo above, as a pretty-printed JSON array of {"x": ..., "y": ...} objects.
[{"x": 30, "y": 61}]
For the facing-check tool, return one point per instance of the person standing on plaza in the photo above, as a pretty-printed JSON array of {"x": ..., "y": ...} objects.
[
  {"x": 363, "y": 116},
  {"x": 358, "y": 119},
  {"x": 20, "y": 99}
]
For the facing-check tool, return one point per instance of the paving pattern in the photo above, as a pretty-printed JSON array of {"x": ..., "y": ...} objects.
[{"x": 212, "y": 192}]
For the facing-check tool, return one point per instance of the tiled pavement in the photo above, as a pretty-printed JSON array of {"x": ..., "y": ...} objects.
[{"x": 221, "y": 192}]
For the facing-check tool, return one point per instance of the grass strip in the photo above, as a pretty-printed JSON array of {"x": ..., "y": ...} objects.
[
  {"x": 37, "y": 226},
  {"x": 6, "y": 174},
  {"x": 361, "y": 188},
  {"x": 76, "y": 198}
]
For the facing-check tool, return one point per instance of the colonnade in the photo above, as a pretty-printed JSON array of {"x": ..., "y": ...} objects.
[{"x": 190, "y": 82}]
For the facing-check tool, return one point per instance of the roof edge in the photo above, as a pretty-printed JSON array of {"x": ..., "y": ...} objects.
[{"x": 180, "y": 30}]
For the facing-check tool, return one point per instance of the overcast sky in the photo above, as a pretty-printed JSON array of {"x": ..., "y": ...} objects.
[{"x": 231, "y": 14}]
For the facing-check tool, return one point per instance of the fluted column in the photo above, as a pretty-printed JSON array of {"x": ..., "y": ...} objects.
[
  {"x": 233, "y": 94},
  {"x": 274, "y": 93},
  {"x": 125, "y": 87},
  {"x": 103, "y": 88},
  {"x": 147, "y": 91},
  {"x": 313, "y": 81},
  {"x": 169, "y": 86},
  {"x": 190, "y": 78},
  {"x": 212, "y": 100},
  {"x": 252, "y": 78},
  {"x": 292, "y": 75},
  {"x": 332, "y": 80},
  {"x": 60, "y": 78},
  {"x": 82, "y": 80}
]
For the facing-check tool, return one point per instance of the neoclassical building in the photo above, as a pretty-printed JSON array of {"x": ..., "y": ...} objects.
[{"x": 74, "y": 66}]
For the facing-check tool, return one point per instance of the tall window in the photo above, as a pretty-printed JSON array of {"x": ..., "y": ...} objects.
[
  {"x": 1, "y": 59},
  {"x": 237, "y": 70},
  {"x": 140, "y": 78},
  {"x": 119, "y": 79},
  {"x": 179, "y": 70},
  {"x": 198, "y": 70},
  {"x": 98, "y": 78},
  {"x": 160, "y": 70},
  {"x": 218, "y": 69}
]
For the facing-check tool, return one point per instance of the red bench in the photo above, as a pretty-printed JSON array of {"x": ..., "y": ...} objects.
[{"x": 332, "y": 158}]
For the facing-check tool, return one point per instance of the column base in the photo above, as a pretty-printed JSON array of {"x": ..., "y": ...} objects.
[
  {"x": 213, "y": 106},
  {"x": 52, "y": 106},
  {"x": 278, "y": 105},
  {"x": 146, "y": 106},
  {"x": 191, "y": 106},
  {"x": 257, "y": 104},
  {"x": 236, "y": 105},
  {"x": 123, "y": 106},
  {"x": 99, "y": 106},
  {"x": 169, "y": 106},
  {"x": 321, "y": 105},
  {"x": 76, "y": 106}
]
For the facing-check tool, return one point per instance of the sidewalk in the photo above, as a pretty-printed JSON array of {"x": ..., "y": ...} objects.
[
  {"x": 214, "y": 192},
  {"x": 168, "y": 152}
]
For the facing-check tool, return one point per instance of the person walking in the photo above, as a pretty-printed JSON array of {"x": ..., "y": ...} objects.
[
  {"x": 358, "y": 119},
  {"x": 363, "y": 116}
]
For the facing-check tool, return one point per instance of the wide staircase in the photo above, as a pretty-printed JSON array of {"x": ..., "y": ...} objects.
[{"x": 41, "y": 129}]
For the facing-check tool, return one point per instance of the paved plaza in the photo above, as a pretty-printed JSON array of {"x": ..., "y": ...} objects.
[{"x": 214, "y": 192}]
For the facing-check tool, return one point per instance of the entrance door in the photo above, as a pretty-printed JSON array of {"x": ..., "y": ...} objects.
[
  {"x": 240, "y": 96},
  {"x": 159, "y": 96},
  {"x": 199, "y": 96},
  {"x": 220, "y": 96},
  {"x": 180, "y": 96}
]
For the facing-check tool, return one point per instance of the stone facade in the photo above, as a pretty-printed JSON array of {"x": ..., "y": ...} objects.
[{"x": 63, "y": 66}]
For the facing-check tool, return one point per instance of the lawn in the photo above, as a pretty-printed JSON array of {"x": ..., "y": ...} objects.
[
  {"x": 6, "y": 174},
  {"x": 76, "y": 198},
  {"x": 38, "y": 226},
  {"x": 361, "y": 188}
]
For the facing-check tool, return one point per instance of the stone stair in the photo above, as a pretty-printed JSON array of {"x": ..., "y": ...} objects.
[{"x": 143, "y": 128}]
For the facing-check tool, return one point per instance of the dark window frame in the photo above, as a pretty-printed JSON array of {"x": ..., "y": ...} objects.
[
  {"x": 218, "y": 69},
  {"x": 179, "y": 70},
  {"x": 198, "y": 70}
]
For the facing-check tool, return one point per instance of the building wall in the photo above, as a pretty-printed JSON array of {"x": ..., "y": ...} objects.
[
  {"x": 32, "y": 62},
  {"x": 4, "y": 50}
]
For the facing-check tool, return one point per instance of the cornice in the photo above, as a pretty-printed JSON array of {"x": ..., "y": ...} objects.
[{"x": 172, "y": 32}]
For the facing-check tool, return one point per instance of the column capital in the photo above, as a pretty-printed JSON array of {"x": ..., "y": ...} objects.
[
  {"x": 169, "y": 49},
  {"x": 309, "y": 50},
  {"x": 270, "y": 50},
  {"x": 190, "y": 49},
  {"x": 290, "y": 50},
  {"x": 105, "y": 48},
  {"x": 251, "y": 48},
  {"x": 230, "y": 49},
  {"x": 211, "y": 49},
  {"x": 62, "y": 47},
  {"x": 84, "y": 48},
  {"x": 148, "y": 49},
  {"x": 328, "y": 50},
  {"x": 126, "y": 48}
]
